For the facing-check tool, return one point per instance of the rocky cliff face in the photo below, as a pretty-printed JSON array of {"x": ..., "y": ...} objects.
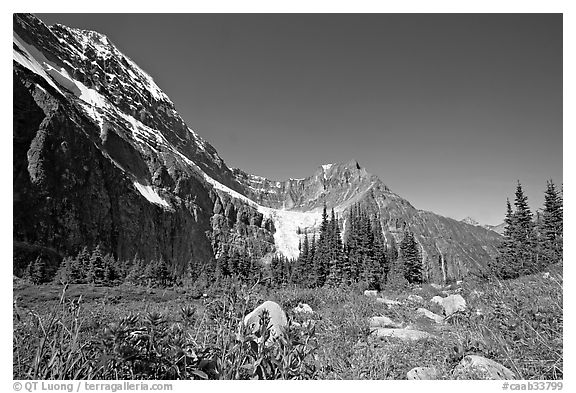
[{"x": 102, "y": 156}]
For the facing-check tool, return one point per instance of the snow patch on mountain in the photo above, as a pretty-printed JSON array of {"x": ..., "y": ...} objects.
[
  {"x": 287, "y": 223},
  {"x": 150, "y": 194},
  {"x": 22, "y": 56}
]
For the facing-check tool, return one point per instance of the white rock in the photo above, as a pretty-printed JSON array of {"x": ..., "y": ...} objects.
[
  {"x": 422, "y": 373},
  {"x": 546, "y": 275},
  {"x": 436, "y": 286},
  {"x": 278, "y": 321},
  {"x": 372, "y": 293},
  {"x": 383, "y": 321},
  {"x": 430, "y": 315},
  {"x": 450, "y": 303},
  {"x": 459, "y": 282},
  {"x": 403, "y": 334},
  {"x": 302, "y": 308},
  {"x": 478, "y": 367}
]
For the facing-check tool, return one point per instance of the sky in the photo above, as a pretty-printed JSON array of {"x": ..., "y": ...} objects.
[{"x": 449, "y": 110}]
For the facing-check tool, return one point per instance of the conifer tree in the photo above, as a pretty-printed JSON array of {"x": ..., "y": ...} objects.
[
  {"x": 506, "y": 264},
  {"x": 222, "y": 264},
  {"x": 523, "y": 233},
  {"x": 551, "y": 227},
  {"x": 95, "y": 273},
  {"x": 37, "y": 270},
  {"x": 161, "y": 273},
  {"x": 380, "y": 252},
  {"x": 411, "y": 259},
  {"x": 322, "y": 252},
  {"x": 110, "y": 274}
]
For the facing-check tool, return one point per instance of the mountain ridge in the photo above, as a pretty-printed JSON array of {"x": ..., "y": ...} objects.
[{"x": 158, "y": 189}]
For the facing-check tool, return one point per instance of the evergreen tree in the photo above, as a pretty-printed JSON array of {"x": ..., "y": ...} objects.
[
  {"x": 135, "y": 275},
  {"x": 81, "y": 267},
  {"x": 37, "y": 271},
  {"x": 505, "y": 265},
  {"x": 524, "y": 234},
  {"x": 222, "y": 264},
  {"x": 335, "y": 267},
  {"x": 111, "y": 273},
  {"x": 380, "y": 253},
  {"x": 411, "y": 259},
  {"x": 551, "y": 227},
  {"x": 161, "y": 273},
  {"x": 95, "y": 273},
  {"x": 321, "y": 254},
  {"x": 234, "y": 263}
]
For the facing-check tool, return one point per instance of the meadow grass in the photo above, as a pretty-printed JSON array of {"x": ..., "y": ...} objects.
[{"x": 85, "y": 332}]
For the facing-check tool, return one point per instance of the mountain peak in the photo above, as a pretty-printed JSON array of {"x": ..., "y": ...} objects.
[{"x": 470, "y": 221}]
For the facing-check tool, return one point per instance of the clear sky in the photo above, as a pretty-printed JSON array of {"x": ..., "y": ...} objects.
[{"x": 449, "y": 110}]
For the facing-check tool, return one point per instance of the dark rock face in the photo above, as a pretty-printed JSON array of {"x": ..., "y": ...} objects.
[{"x": 101, "y": 156}]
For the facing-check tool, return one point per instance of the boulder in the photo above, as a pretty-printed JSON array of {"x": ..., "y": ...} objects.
[
  {"x": 430, "y": 315},
  {"x": 450, "y": 303},
  {"x": 371, "y": 293},
  {"x": 402, "y": 334},
  {"x": 436, "y": 286},
  {"x": 453, "y": 303},
  {"x": 478, "y": 367},
  {"x": 546, "y": 275},
  {"x": 383, "y": 321},
  {"x": 278, "y": 320},
  {"x": 302, "y": 308},
  {"x": 422, "y": 373}
]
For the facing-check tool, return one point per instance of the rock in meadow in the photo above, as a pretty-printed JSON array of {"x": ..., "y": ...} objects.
[
  {"x": 422, "y": 373},
  {"x": 278, "y": 320},
  {"x": 430, "y": 315},
  {"x": 383, "y": 321},
  {"x": 371, "y": 293},
  {"x": 303, "y": 308},
  {"x": 450, "y": 303},
  {"x": 402, "y": 334},
  {"x": 478, "y": 367},
  {"x": 436, "y": 286}
]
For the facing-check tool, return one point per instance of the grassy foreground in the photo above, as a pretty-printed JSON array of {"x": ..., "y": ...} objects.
[{"x": 128, "y": 332}]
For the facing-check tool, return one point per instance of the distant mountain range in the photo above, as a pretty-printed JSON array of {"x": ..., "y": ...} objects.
[
  {"x": 101, "y": 156},
  {"x": 496, "y": 228}
]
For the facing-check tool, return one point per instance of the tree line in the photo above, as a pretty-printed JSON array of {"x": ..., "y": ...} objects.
[
  {"x": 363, "y": 257},
  {"x": 531, "y": 242}
]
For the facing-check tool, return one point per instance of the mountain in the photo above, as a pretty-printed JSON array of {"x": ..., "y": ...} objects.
[
  {"x": 101, "y": 156},
  {"x": 470, "y": 221},
  {"x": 499, "y": 229}
]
